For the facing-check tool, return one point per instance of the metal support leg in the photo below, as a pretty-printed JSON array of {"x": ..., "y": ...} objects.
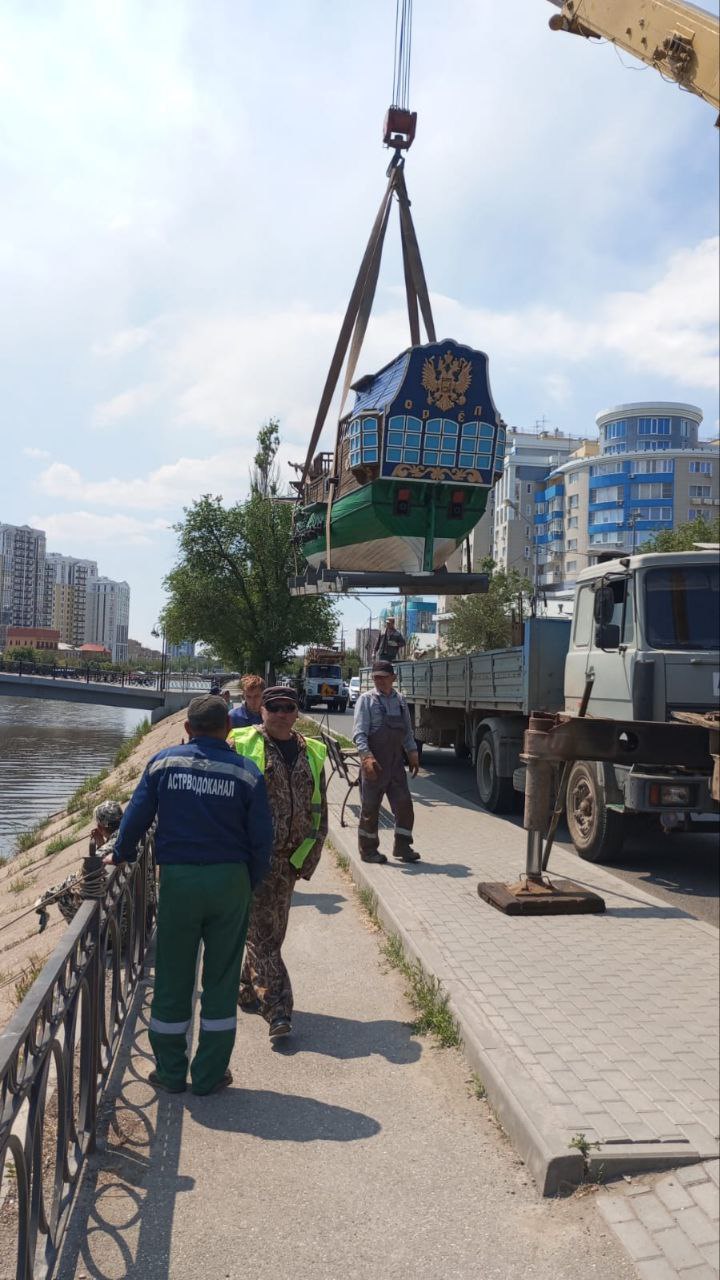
[
  {"x": 533, "y": 893},
  {"x": 533, "y": 863}
]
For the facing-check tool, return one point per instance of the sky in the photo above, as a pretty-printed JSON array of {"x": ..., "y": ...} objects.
[{"x": 187, "y": 191}]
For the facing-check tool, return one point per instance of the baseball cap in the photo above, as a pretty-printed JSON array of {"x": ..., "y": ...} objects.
[
  {"x": 207, "y": 711},
  {"x": 280, "y": 693}
]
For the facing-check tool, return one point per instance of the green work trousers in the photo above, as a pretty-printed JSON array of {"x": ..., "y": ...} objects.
[{"x": 208, "y": 904}]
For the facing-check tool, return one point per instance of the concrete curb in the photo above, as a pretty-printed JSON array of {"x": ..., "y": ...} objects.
[{"x": 517, "y": 1101}]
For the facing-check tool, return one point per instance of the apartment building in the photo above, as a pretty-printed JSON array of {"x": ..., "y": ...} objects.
[
  {"x": 108, "y": 613},
  {"x": 652, "y": 472},
  {"x": 66, "y": 596},
  {"x": 22, "y": 569},
  {"x": 529, "y": 458}
]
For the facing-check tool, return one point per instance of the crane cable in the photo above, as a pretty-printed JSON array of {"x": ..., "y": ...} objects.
[{"x": 403, "y": 49}]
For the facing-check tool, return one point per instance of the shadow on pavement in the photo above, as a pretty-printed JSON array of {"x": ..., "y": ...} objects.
[
  {"x": 280, "y": 1117},
  {"x": 122, "y": 1220},
  {"x": 648, "y": 913},
  {"x": 456, "y": 869},
  {"x": 347, "y": 1038},
  {"x": 328, "y": 904}
]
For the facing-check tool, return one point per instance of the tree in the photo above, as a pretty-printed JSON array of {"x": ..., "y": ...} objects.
[
  {"x": 684, "y": 537},
  {"x": 265, "y": 475},
  {"x": 485, "y": 621},
  {"x": 229, "y": 587}
]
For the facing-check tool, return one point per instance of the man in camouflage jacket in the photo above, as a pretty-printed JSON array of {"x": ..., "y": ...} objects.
[{"x": 289, "y": 763}]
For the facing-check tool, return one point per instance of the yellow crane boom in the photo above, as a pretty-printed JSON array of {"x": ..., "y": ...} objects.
[{"x": 677, "y": 38}]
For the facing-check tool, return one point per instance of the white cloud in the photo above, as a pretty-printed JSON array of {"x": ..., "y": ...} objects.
[
  {"x": 167, "y": 488},
  {"x": 227, "y": 372},
  {"x": 36, "y": 453},
  {"x": 86, "y": 530},
  {"x": 558, "y": 387},
  {"x": 124, "y": 405},
  {"x": 122, "y": 343}
]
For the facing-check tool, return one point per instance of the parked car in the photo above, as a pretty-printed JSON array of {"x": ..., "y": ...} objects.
[{"x": 353, "y": 690}]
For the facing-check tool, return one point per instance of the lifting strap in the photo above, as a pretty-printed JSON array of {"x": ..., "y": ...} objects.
[
  {"x": 348, "y": 323},
  {"x": 355, "y": 322},
  {"x": 411, "y": 256},
  {"x": 357, "y": 315}
]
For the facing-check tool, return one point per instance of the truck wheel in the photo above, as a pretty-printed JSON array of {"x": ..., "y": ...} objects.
[
  {"x": 496, "y": 794},
  {"x": 596, "y": 831},
  {"x": 342, "y": 706}
]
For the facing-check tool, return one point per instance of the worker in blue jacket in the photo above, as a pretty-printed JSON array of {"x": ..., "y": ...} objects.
[{"x": 213, "y": 842}]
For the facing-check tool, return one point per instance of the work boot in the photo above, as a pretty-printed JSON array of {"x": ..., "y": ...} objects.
[
  {"x": 279, "y": 1027},
  {"x": 402, "y": 849},
  {"x": 168, "y": 1086},
  {"x": 373, "y": 855},
  {"x": 223, "y": 1083}
]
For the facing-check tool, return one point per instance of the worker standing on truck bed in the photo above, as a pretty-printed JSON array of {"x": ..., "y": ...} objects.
[
  {"x": 382, "y": 732},
  {"x": 389, "y": 643}
]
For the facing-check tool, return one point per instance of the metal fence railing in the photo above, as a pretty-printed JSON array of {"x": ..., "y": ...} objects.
[{"x": 56, "y": 1055}]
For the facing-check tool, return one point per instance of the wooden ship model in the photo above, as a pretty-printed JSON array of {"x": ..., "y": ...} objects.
[
  {"x": 416, "y": 456},
  {"x": 414, "y": 461}
]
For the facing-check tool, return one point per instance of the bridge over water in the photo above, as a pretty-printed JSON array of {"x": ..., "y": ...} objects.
[{"x": 161, "y": 697}]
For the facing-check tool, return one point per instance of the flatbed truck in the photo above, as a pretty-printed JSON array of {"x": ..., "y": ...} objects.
[{"x": 644, "y": 632}]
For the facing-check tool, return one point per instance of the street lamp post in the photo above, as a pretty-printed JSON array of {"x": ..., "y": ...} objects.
[
  {"x": 368, "y": 650},
  {"x": 159, "y": 632},
  {"x": 632, "y": 520}
]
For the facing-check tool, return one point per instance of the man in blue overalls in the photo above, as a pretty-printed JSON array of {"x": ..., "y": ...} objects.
[{"x": 383, "y": 734}]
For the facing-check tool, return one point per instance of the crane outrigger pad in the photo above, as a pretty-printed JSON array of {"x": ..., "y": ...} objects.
[{"x": 317, "y": 582}]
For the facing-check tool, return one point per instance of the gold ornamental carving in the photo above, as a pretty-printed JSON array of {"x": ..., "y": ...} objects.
[
  {"x": 409, "y": 471},
  {"x": 446, "y": 386}
]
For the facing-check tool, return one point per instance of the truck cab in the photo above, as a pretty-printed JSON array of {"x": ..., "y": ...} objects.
[
  {"x": 646, "y": 632},
  {"x": 322, "y": 680}
]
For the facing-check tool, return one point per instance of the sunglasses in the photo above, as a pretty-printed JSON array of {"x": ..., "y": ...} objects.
[{"x": 284, "y": 708}]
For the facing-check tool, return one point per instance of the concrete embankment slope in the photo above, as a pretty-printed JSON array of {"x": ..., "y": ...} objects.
[
  {"x": 596, "y": 1036},
  {"x": 23, "y": 951}
]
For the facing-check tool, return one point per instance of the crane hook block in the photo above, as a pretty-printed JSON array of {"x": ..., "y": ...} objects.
[{"x": 399, "y": 129}]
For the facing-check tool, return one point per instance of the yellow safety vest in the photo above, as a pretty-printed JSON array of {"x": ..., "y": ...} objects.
[{"x": 250, "y": 742}]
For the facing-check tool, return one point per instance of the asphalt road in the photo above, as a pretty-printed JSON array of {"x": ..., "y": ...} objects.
[{"x": 682, "y": 870}]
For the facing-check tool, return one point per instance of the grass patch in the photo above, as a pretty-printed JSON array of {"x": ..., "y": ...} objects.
[
  {"x": 129, "y": 745},
  {"x": 27, "y": 977},
  {"x": 341, "y": 859},
  {"x": 20, "y": 884},
  {"x": 478, "y": 1088},
  {"x": 58, "y": 844},
  {"x": 78, "y": 799},
  {"x": 26, "y": 839},
  {"x": 307, "y": 727},
  {"x": 426, "y": 996},
  {"x": 583, "y": 1144},
  {"x": 310, "y": 728},
  {"x": 3, "y": 860},
  {"x": 369, "y": 903}
]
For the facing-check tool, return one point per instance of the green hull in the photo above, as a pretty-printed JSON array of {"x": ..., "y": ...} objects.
[{"x": 367, "y": 532}]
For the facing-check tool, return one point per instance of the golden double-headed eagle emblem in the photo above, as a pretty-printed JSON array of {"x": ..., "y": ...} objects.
[{"x": 447, "y": 385}]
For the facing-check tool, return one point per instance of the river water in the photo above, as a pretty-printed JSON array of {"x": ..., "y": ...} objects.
[{"x": 47, "y": 749}]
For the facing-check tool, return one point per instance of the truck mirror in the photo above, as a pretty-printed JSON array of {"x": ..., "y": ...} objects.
[
  {"x": 604, "y": 605},
  {"x": 607, "y": 635}
]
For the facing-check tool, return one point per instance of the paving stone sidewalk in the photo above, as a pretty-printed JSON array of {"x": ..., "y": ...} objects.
[
  {"x": 668, "y": 1223},
  {"x": 603, "y": 1026},
  {"x": 355, "y": 1150}
]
